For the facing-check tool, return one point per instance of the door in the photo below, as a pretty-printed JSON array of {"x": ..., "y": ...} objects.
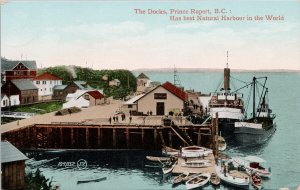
[{"x": 160, "y": 108}]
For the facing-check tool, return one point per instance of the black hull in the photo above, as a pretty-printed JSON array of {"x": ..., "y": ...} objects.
[{"x": 246, "y": 135}]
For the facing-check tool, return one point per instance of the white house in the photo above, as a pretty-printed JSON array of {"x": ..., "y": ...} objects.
[
  {"x": 14, "y": 100},
  {"x": 46, "y": 82},
  {"x": 114, "y": 82}
]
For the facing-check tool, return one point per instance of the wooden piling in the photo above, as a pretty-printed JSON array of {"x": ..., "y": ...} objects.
[
  {"x": 199, "y": 138},
  {"x": 114, "y": 138},
  {"x": 127, "y": 138},
  {"x": 99, "y": 137},
  {"x": 87, "y": 137},
  {"x": 61, "y": 137},
  {"x": 155, "y": 137}
]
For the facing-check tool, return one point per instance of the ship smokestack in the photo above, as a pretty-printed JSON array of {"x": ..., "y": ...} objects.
[{"x": 227, "y": 76}]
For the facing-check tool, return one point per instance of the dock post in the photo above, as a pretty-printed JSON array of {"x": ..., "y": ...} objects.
[
  {"x": 155, "y": 137},
  {"x": 61, "y": 137},
  {"x": 114, "y": 138},
  {"x": 127, "y": 138},
  {"x": 170, "y": 139},
  {"x": 99, "y": 137},
  {"x": 34, "y": 137},
  {"x": 72, "y": 137},
  {"x": 199, "y": 138},
  {"x": 143, "y": 134},
  {"x": 87, "y": 137},
  {"x": 216, "y": 137}
]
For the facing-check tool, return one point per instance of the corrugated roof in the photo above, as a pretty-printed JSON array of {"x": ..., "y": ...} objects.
[
  {"x": 175, "y": 90},
  {"x": 142, "y": 76},
  {"x": 96, "y": 94},
  {"x": 10, "y": 64},
  {"x": 134, "y": 99},
  {"x": 24, "y": 84},
  {"x": 46, "y": 76},
  {"x": 59, "y": 87},
  {"x": 9, "y": 153}
]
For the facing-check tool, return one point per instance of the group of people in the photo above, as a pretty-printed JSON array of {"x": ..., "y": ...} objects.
[{"x": 115, "y": 118}]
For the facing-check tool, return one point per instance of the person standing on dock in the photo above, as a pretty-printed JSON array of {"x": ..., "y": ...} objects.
[
  {"x": 109, "y": 119},
  {"x": 130, "y": 118},
  {"x": 114, "y": 118}
]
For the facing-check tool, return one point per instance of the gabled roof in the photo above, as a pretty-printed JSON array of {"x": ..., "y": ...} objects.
[
  {"x": 142, "y": 76},
  {"x": 9, "y": 153},
  {"x": 95, "y": 94},
  {"x": 59, "y": 87},
  {"x": 24, "y": 84},
  {"x": 83, "y": 85},
  {"x": 134, "y": 99},
  {"x": 7, "y": 65},
  {"x": 175, "y": 90},
  {"x": 3, "y": 95},
  {"x": 46, "y": 76}
]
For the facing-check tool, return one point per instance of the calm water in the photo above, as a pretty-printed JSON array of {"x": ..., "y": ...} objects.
[{"x": 125, "y": 169}]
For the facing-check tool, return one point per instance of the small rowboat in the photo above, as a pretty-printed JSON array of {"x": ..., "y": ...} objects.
[
  {"x": 198, "y": 181},
  {"x": 90, "y": 179},
  {"x": 170, "y": 151},
  {"x": 195, "y": 151},
  {"x": 214, "y": 179},
  {"x": 180, "y": 178},
  {"x": 196, "y": 164},
  {"x": 168, "y": 168},
  {"x": 158, "y": 159},
  {"x": 256, "y": 181}
]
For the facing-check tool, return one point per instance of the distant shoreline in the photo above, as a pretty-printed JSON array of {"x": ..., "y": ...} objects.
[{"x": 167, "y": 70}]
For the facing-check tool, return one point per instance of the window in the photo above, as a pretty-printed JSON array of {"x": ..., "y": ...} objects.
[
  {"x": 45, "y": 89},
  {"x": 50, "y": 82},
  {"x": 3, "y": 102},
  {"x": 44, "y": 82},
  {"x": 37, "y": 82},
  {"x": 129, "y": 106},
  {"x": 41, "y": 89},
  {"x": 50, "y": 89},
  {"x": 160, "y": 96},
  {"x": 87, "y": 97}
]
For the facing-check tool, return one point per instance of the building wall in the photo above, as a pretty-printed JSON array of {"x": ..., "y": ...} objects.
[
  {"x": 92, "y": 100},
  {"x": 46, "y": 86},
  {"x": 148, "y": 103},
  {"x": 4, "y": 102},
  {"x": 13, "y": 175},
  {"x": 19, "y": 74},
  {"x": 29, "y": 96}
]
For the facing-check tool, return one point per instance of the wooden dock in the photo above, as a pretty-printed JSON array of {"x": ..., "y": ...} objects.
[{"x": 178, "y": 169}]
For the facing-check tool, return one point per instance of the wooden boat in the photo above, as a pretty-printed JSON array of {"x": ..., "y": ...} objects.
[
  {"x": 198, "y": 181},
  {"x": 197, "y": 161},
  {"x": 90, "y": 179},
  {"x": 168, "y": 168},
  {"x": 256, "y": 181},
  {"x": 241, "y": 181},
  {"x": 170, "y": 151},
  {"x": 158, "y": 159},
  {"x": 214, "y": 179},
  {"x": 195, "y": 151},
  {"x": 253, "y": 164},
  {"x": 222, "y": 143},
  {"x": 196, "y": 164},
  {"x": 180, "y": 178}
]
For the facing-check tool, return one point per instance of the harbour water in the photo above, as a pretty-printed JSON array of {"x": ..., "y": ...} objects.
[{"x": 126, "y": 170}]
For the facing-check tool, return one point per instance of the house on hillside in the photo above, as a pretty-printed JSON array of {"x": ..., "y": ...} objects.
[
  {"x": 45, "y": 83},
  {"x": 160, "y": 100},
  {"x": 61, "y": 91},
  {"x": 143, "y": 82},
  {"x": 12, "y": 167},
  {"x": 24, "y": 88},
  {"x": 16, "y": 69},
  {"x": 114, "y": 82}
]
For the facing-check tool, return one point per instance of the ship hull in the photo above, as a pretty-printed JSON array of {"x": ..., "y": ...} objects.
[{"x": 247, "y": 135}]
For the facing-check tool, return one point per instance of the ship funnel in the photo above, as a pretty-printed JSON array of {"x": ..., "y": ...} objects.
[{"x": 226, "y": 79}]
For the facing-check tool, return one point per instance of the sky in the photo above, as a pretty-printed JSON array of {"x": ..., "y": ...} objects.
[{"x": 110, "y": 35}]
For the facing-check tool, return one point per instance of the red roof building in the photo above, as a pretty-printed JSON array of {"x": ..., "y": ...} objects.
[
  {"x": 46, "y": 76},
  {"x": 180, "y": 93},
  {"x": 96, "y": 94}
]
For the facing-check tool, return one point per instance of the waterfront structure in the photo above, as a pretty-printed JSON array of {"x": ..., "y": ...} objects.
[
  {"x": 12, "y": 167},
  {"x": 162, "y": 100},
  {"x": 45, "y": 83},
  {"x": 6, "y": 101},
  {"x": 17, "y": 69},
  {"x": 61, "y": 91},
  {"x": 24, "y": 88},
  {"x": 84, "y": 99}
]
